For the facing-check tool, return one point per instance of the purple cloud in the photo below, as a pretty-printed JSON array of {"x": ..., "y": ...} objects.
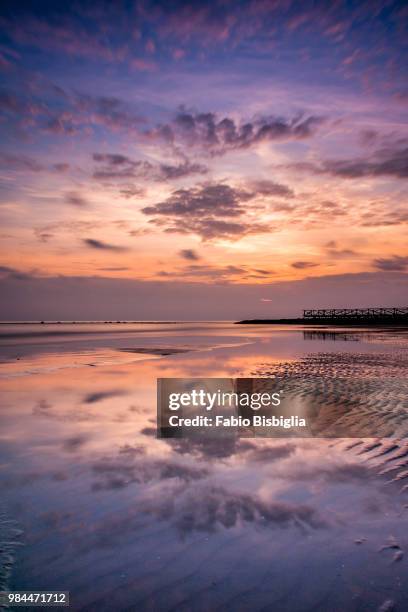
[
  {"x": 395, "y": 263},
  {"x": 117, "y": 167},
  {"x": 189, "y": 254},
  {"x": 389, "y": 161},
  {"x": 219, "y": 135},
  {"x": 103, "y": 246},
  {"x": 211, "y": 210},
  {"x": 303, "y": 265}
]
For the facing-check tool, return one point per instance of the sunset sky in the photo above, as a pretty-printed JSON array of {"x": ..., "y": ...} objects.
[{"x": 198, "y": 160}]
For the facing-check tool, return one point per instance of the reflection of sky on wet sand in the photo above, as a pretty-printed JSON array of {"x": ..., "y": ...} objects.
[{"x": 124, "y": 520}]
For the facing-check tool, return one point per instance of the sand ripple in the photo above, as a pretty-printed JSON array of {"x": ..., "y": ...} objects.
[{"x": 356, "y": 392}]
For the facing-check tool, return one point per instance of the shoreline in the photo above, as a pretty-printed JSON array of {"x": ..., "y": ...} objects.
[{"x": 330, "y": 322}]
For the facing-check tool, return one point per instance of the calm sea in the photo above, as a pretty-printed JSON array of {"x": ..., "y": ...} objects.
[{"x": 94, "y": 504}]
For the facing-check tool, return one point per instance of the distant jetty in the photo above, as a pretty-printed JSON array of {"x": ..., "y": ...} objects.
[{"x": 342, "y": 316}]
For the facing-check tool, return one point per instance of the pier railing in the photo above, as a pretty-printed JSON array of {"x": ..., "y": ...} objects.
[{"x": 355, "y": 313}]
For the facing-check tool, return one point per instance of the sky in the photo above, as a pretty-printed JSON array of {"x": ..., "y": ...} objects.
[{"x": 202, "y": 160}]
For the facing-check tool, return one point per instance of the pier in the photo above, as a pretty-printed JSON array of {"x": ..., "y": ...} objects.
[
  {"x": 343, "y": 316},
  {"x": 359, "y": 315}
]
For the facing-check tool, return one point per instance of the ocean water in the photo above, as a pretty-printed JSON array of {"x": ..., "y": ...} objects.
[{"x": 94, "y": 504}]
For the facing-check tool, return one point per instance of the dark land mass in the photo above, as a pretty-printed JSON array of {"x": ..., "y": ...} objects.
[{"x": 360, "y": 321}]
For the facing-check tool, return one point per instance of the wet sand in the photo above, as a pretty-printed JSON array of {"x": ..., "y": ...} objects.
[{"x": 93, "y": 503}]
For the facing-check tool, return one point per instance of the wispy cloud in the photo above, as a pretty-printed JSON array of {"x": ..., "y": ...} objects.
[
  {"x": 228, "y": 273},
  {"x": 389, "y": 161},
  {"x": 113, "y": 166},
  {"x": 396, "y": 263},
  {"x": 303, "y": 265},
  {"x": 189, "y": 254},
  {"x": 99, "y": 245},
  {"x": 211, "y": 210},
  {"x": 218, "y": 135}
]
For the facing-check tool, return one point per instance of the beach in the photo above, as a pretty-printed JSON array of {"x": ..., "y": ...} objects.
[{"x": 94, "y": 504}]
